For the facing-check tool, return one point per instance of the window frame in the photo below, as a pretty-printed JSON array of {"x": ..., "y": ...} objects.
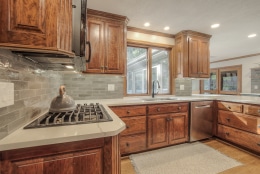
[{"x": 149, "y": 47}]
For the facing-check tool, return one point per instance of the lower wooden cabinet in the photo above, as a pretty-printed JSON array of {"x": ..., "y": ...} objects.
[
  {"x": 97, "y": 156},
  {"x": 249, "y": 140},
  {"x": 133, "y": 143},
  {"x": 167, "y": 129}
]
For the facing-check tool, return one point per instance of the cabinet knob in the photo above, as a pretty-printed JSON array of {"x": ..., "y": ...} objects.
[
  {"x": 127, "y": 127},
  {"x": 127, "y": 144},
  {"x": 158, "y": 109},
  {"x": 128, "y": 112},
  {"x": 228, "y": 119},
  {"x": 179, "y": 108},
  {"x": 227, "y": 133},
  {"x": 229, "y": 107}
]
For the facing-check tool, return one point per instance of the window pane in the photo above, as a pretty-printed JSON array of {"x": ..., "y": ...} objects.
[
  {"x": 136, "y": 70},
  {"x": 211, "y": 83},
  {"x": 229, "y": 81},
  {"x": 160, "y": 69}
]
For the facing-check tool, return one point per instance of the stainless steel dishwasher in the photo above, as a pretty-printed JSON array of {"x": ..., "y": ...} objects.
[{"x": 201, "y": 120}]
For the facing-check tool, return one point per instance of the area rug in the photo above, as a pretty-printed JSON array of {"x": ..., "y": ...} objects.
[{"x": 190, "y": 158}]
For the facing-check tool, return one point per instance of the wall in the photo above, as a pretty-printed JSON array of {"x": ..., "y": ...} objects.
[
  {"x": 93, "y": 86},
  {"x": 33, "y": 91},
  {"x": 247, "y": 64}
]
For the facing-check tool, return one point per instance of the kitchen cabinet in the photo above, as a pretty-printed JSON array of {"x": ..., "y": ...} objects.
[
  {"x": 107, "y": 35},
  {"x": 239, "y": 123},
  {"x": 167, "y": 124},
  {"x": 42, "y": 26},
  {"x": 87, "y": 156},
  {"x": 192, "y": 54},
  {"x": 133, "y": 138}
]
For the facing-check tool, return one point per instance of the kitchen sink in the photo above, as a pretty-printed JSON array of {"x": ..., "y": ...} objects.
[{"x": 160, "y": 99}]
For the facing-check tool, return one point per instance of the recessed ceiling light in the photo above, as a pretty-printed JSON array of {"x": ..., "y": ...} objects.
[
  {"x": 69, "y": 67},
  {"x": 215, "y": 26},
  {"x": 147, "y": 24},
  {"x": 166, "y": 28},
  {"x": 251, "y": 35}
]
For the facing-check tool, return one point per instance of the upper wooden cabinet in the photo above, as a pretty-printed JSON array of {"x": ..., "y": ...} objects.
[
  {"x": 192, "y": 54},
  {"x": 107, "y": 35},
  {"x": 36, "y": 26}
]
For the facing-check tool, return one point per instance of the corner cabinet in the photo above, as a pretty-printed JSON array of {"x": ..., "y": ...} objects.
[
  {"x": 107, "y": 35},
  {"x": 167, "y": 124},
  {"x": 192, "y": 54},
  {"x": 43, "y": 26},
  {"x": 99, "y": 156}
]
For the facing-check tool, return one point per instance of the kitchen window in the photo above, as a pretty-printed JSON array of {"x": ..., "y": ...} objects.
[{"x": 144, "y": 65}]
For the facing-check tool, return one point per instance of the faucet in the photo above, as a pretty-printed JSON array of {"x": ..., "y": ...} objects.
[{"x": 153, "y": 88}]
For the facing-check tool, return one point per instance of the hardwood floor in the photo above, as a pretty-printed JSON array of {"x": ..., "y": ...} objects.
[{"x": 250, "y": 161}]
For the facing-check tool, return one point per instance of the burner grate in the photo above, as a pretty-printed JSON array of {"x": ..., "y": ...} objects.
[{"x": 83, "y": 114}]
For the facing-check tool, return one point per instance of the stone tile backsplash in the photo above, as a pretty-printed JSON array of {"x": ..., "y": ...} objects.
[
  {"x": 33, "y": 91},
  {"x": 255, "y": 80},
  {"x": 183, "y": 87},
  {"x": 93, "y": 86}
]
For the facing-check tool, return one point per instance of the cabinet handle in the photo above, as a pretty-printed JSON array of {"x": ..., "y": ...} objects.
[
  {"x": 158, "y": 109},
  {"x": 228, "y": 119},
  {"x": 229, "y": 107},
  {"x": 179, "y": 108},
  {"x": 227, "y": 133},
  {"x": 128, "y": 112},
  {"x": 127, "y": 127},
  {"x": 102, "y": 68},
  {"x": 168, "y": 119},
  {"x": 127, "y": 144}
]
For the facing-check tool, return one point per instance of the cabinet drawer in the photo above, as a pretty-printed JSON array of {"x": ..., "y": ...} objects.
[
  {"x": 132, "y": 143},
  {"x": 134, "y": 125},
  {"x": 234, "y": 107},
  {"x": 252, "y": 110},
  {"x": 246, "y": 139},
  {"x": 167, "y": 108},
  {"x": 127, "y": 111},
  {"x": 240, "y": 121}
]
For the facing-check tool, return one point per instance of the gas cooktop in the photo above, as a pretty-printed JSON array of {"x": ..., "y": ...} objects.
[{"x": 83, "y": 114}]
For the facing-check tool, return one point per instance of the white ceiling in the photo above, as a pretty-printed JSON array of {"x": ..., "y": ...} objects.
[{"x": 237, "y": 19}]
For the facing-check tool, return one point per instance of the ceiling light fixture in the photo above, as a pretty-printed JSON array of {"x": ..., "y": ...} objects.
[
  {"x": 215, "y": 26},
  {"x": 166, "y": 28},
  {"x": 69, "y": 67},
  {"x": 251, "y": 35},
  {"x": 147, "y": 24}
]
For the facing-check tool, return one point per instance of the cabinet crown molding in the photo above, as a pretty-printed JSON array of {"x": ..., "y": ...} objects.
[{"x": 193, "y": 33}]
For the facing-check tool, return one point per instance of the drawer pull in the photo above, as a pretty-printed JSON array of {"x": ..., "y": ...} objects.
[
  {"x": 228, "y": 119},
  {"x": 179, "y": 108},
  {"x": 127, "y": 127},
  {"x": 229, "y": 107},
  {"x": 127, "y": 144},
  {"x": 202, "y": 106},
  {"x": 128, "y": 112},
  {"x": 227, "y": 133},
  {"x": 168, "y": 119},
  {"x": 158, "y": 109}
]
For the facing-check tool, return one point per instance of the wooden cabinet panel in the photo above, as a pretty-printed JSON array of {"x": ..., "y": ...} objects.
[
  {"x": 240, "y": 121},
  {"x": 107, "y": 33},
  {"x": 132, "y": 143},
  {"x": 128, "y": 111},
  {"x": 178, "y": 131},
  {"x": 252, "y": 110},
  {"x": 192, "y": 54},
  {"x": 157, "y": 131},
  {"x": 234, "y": 107},
  {"x": 134, "y": 125},
  {"x": 167, "y": 108},
  {"x": 42, "y": 26},
  {"x": 246, "y": 139}
]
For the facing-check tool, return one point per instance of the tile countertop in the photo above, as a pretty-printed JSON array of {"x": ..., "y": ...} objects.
[{"x": 22, "y": 138}]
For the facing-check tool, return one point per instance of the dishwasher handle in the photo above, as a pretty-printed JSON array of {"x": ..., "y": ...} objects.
[{"x": 202, "y": 106}]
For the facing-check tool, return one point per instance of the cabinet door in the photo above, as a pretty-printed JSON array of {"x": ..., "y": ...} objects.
[
  {"x": 72, "y": 163},
  {"x": 198, "y": 57},
  {"x": 157, "y": 130},
  {"x": 96, "y": 38},
  {"x": 178, "y": 128},
  {"x": 115, "y": 48}
]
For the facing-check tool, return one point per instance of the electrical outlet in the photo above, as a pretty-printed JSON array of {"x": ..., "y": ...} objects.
[
  {"x": 111, "y": 87},
  {"x": 181, "y": 87}
]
